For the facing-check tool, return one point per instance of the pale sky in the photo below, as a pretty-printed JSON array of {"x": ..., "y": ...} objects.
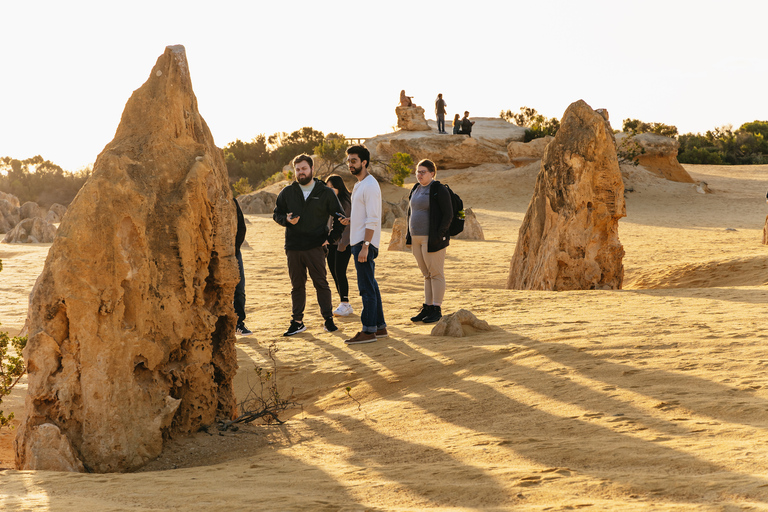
[{"x": 67, "y": 68}]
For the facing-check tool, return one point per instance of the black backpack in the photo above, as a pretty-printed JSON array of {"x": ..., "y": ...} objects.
[{"x": 457, "y": 222}]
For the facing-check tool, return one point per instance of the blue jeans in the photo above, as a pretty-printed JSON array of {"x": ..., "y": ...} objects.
[
  {"x": 441, "y": 123},
  {"x": 372, "y": 316}
]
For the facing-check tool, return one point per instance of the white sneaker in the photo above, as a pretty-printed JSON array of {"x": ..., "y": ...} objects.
[{"x": 344, "y": 309}]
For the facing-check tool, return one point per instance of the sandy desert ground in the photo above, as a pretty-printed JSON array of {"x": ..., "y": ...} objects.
[{"x": 654, "y": 397}]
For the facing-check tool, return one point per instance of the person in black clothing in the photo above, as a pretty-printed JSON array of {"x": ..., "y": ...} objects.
[
  {"x": 303, "y": 208},
  {"x": 240, "y": 288},
  {"x": 340, "y": 252},
  {"x": 428, "y": 219},
  {"x": 466, "y": 124}
]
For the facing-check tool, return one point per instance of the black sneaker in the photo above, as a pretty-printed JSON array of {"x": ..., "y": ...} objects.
[
  {"x": 434, "y": 315},
  {"x": 422, "y": 314},
  {"x": 242, "y": 330},
  {"x": 295, "y": 328},
  {"x": 330, "y": 326}
]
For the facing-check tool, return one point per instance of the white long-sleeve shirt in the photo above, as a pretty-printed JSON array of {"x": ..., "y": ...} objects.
[{"x": 366, "y": 211}]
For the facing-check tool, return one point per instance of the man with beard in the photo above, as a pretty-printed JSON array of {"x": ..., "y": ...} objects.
[
  {"x": 365, "y": 238},
  {"x": 303, "y": 208}
]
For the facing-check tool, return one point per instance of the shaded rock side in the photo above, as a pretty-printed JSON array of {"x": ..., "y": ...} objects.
[
  {"x": 131, "y": 323},
  {"x": 523, "y": 153},
  {"x": 258, "y": 202},
  {"x": 30, "y": 210},
  {"x": 411, "y": 119},
  {"x": 10, "y": 198},
  {"x": 55, "y": 213},
  {"x": 569, "y": 237},
  {"x": 9, "y": 215},
  {"x": 656, "y": 153},
  {"x": 35, "y": 230},
  {"x": 472, "y": 228}
]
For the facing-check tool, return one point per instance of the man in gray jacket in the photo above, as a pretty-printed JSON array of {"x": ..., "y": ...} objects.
[{"x": 303, "y": 209}]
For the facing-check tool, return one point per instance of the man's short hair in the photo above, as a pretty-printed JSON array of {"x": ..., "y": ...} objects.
[
  {"x": 362, "y": 153},
  {"x": 466, "y": 112},
  {"x": 303, "y": 158}
]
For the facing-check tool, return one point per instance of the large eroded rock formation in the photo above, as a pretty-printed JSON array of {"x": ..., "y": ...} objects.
[
  {"x": 131, "y": 323},
  {"x": 569, "y": 236}
]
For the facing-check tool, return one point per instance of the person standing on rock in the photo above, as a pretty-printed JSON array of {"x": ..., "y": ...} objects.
[
  {"x": 440, "y": 113},
  {"x": 466, "y": 124},
  {"x": 241, "y": 329},
  {"x": 303, "y": 209},
  {"x": 428, "y": 219},
  {"x": 365, "y": 239}
]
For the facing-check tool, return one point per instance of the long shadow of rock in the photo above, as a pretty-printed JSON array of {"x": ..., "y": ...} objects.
[
  {"x": 580, "y": 443},
  {"x": 430, "y": 473}
]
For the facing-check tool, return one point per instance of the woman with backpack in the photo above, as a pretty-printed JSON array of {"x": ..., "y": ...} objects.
[{"x": 429, "y": 218}]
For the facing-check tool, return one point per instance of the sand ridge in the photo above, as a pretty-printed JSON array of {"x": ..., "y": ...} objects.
[{"x": 654, "y": 397}]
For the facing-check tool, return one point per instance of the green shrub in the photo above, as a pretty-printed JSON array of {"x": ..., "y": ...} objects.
[
  {"x": 11, "y": 367},
  {"x": 538, "y": 125},
  {"x": 241, "y": 187},
  {"x": 700, "y": 156},
  {"x": 401, "y": 164},
  {"x": 635, "y": 126}
]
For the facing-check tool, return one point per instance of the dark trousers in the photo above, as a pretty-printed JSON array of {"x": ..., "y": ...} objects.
[
  {"x": 372, "y": 316},
  {"x": 299, "y": 262},
  {"x": 337, "y": 264},
  {"x": 441, "y": 123},
  {"x": 240, "y": 290}
]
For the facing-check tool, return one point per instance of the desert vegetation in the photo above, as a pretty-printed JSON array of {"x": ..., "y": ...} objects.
[{"x": 39, "y": 180}]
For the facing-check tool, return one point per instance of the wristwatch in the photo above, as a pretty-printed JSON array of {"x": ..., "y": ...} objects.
[{"x": 367, "y": 242}]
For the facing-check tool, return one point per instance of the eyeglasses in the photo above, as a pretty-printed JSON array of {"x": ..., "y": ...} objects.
[{"x": 422, "y": 172}]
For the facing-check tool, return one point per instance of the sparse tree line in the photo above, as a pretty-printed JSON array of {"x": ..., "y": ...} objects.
[
  {"x": 721, "y": 146},
  {"x": 254, "y": 164},
  {"x": 40, "y": 181}
]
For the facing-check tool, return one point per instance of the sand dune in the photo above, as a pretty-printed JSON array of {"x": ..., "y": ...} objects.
[{"x": 654, "y": 397}]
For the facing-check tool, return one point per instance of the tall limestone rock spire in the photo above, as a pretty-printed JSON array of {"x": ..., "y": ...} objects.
[
  {"x": 569, "y": 239},
  {"x": 131, "y": 323}
]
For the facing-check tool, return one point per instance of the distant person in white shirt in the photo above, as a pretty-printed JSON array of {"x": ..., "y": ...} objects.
[{"x": 365, "y": 239}]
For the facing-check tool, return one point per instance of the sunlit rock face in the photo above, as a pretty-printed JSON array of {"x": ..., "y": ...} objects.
[
  {"x": 656, "y": 153},
  {"x": 569, "y": 239},
  {"x": 131, "y": 323}
]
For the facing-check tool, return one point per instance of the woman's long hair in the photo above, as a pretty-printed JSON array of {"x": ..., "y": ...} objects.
[{"x": 336, "y": 182}]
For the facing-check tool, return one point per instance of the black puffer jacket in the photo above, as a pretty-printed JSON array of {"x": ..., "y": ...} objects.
[
  {"x": 312, "y": 229},
  {"x": 440, "y": 216}
]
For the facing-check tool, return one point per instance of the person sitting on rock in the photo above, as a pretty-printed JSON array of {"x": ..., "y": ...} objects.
[
  {"x": 405, "y": 101},
  {"x": 466, "y": 124},
  {"x": 456, "y": 124}
]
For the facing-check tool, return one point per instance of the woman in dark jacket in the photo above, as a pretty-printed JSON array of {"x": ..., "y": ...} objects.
[
  {"x": 340, "y": 252},
  {"x": 429, "y": 217}
]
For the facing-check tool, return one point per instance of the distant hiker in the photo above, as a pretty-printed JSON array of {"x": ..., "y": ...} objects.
[
  {"x": 440, "y": 113},
  {"x": 303, "y": 208},
  {"x": 340, "y": 252},
  {"x": 365, "y": 238},
  {"x": 405, "y": 101},
  {"x": 241, "y": 329},
  {"x": 466, "y": 124},
  {"x": 456, "y": 124},
  {"x": 429, "y": 217}
]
